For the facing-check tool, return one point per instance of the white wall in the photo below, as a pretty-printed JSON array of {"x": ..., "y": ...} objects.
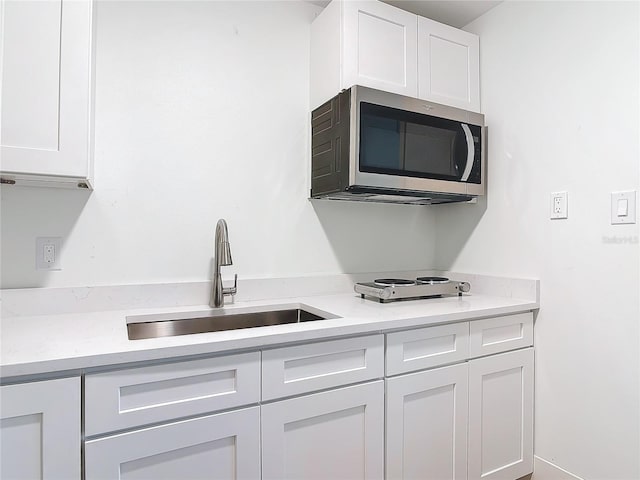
[
  {"x": 202, "y": 113},
  {"x": 560, "y": 90}
]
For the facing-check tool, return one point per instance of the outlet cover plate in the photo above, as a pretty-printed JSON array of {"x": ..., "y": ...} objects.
[
  {"x": 558, "y": 206},
  {"x": 48, "y": 251}
]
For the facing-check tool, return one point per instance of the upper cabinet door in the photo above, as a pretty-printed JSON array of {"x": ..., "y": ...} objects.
[
  {"x": 46, "y": 90},
  {"x": 448, "y": 65},
  {"x": 379, "y": 49}
]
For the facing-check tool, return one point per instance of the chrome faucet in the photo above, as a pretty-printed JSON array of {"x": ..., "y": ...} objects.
[{"x": 222, "y": 257}]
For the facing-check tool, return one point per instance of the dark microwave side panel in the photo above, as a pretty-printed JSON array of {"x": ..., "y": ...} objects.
[{"x": 330, "y": 146}]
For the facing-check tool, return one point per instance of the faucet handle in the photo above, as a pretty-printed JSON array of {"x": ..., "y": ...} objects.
[{"x": 231, "y": 290}]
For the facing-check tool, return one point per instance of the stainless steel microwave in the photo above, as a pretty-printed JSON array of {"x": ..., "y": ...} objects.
[{"x": 377, "y": 146}]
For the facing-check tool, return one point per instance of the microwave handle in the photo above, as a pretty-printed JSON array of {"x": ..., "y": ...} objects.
[{"x": 470, "y": 153}]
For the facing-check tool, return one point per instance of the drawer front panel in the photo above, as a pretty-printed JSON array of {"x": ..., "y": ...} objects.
[
  {"x": 225, "y": 445},
  {"x": 501, "y": 334},
  {"x": 427, "y": 347},
  {"x": 139, "y": 396},
  {"x": 306, "y": 368}
]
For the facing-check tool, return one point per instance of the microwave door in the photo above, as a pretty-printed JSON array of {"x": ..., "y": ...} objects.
[{"x": 470, "y": 153}]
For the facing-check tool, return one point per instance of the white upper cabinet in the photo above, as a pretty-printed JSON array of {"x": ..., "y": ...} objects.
[
  {"x": 365, "y": 43},
  {"x": 376, "y": 45},
  {"x": 379, "y": 47},
  {"x": 46, "y": 92},
  {"x": 448, "y": 65}
]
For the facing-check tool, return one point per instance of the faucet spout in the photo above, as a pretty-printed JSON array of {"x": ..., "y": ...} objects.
[{"x": 222, "y": 257}]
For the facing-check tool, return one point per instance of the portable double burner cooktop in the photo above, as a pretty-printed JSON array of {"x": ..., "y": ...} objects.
[{"x": 391, "y": 289}]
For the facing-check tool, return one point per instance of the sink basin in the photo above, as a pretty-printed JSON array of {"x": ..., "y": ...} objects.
[{"x": 186, "y": 323}]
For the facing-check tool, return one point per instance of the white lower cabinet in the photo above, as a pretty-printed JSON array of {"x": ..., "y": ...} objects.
[
  {"x": 40, "y": 430},
  {"x": 426, "y": 424},
  {"x": 501, "y": 416},
  {"x": 221, "y": 446},
  {"x": 337, "y": 434},
  {"x": 449, "y": 402}
]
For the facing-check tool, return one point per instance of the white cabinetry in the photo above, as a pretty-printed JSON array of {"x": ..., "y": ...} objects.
[
  {"x": 333, "y": 434},
  {"x": 501, "y": 416},
  {"x": 305, "y": 368},
  {"x": 376, "y": 45},
  {"x": 40, "y": 430},
  {"x": 448, "y": 65},
  {"x": 473, "y": 419},
  {"x": 336, "y": 434},
  {"x": 322, "y": 410},
  {"x": 226, "y": 445},
  {"x": 46, "y": 92},
  {"x": 139, "y": 396},
  {"x": 427, "y": 424},
  {"x": 365, "y": 43}
]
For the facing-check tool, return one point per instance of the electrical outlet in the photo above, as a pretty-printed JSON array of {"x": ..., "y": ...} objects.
[
  {"x": 48, "y": 250},
  {"x": 559, "y": 205}
]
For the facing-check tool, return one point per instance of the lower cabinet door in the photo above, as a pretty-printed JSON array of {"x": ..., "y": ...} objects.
[
  {"x": 221, "y": 446},
  {"x": 40, "y": 430},
  {"x": 427, "y": 424},
  {"x": 501, "y": 416},
  {"x": 337, "y": 435}
]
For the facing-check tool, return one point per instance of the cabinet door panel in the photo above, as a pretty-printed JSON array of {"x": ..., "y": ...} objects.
[
  {"x": 379, "y": 49},
  {"x": 336, "y": 434},
  {"x": 40, "y": 430},
  {"x": 448, "y": 65},
  {"x": 501, "y": 415},
  {"x": 427, "y": 424},
  {"x": 226, "y": 445},
  {"x": 46, "y": 100}
]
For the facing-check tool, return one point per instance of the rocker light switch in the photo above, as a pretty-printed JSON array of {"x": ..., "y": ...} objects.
[{"x": 623, "y": 207}]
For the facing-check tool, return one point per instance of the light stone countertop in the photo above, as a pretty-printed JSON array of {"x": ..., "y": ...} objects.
[{"x": 61, "y": 344}]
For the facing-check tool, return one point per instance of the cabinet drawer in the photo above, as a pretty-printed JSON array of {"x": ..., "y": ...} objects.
[
  {"x": 427, "y": 347},
  {"x": 225, "y": 446},
  {"x": 138, "y": 396},
  {"x": 500, "y": 334},
  {"x": 305, "y": 368}
]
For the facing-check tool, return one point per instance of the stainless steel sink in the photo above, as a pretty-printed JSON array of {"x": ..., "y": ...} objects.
[{"x": 186, "y": 323}]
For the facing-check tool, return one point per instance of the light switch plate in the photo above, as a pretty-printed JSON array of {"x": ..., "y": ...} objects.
[{"x": 618, "y": 209}]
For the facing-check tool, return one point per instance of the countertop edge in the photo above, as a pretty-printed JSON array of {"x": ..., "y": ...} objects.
[{"x": 64, "y": 367}]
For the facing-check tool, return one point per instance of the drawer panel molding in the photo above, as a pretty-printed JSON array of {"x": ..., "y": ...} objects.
[
  {"x": 427, "y": 347},
  {"x": 137, "y": 396},
  {"x": 317, "y": 366},
  {"x": 500, "y": 334}
]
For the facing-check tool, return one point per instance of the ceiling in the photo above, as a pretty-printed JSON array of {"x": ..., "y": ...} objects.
[{"x": 456, "y": 13}]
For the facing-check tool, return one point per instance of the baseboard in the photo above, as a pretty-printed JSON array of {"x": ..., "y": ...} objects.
[{"x": 544, "y": 470}]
